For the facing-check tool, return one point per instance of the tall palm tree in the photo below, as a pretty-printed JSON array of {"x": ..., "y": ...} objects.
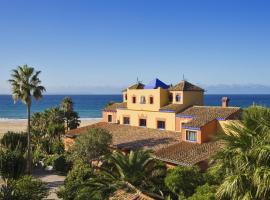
[
  {"x": 245, "y": 160},
  {"x": 26, "y": 85}
]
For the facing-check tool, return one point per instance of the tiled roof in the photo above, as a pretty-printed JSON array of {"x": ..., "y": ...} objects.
[
  {"x": 156, "y": 83},
  {"x": 131, "y": 137},
  {"x": 204, "y": 114},
  {"x": 185, "y": 86},
  {"x": 114, "y": 106},
  {"x": 188, "y": 153},
  {"x": 173, "y": 108},
  {"x": 123, "y": 194},
  {"x": 135, "y": 86}
]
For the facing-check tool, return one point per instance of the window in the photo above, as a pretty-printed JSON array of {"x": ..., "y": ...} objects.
[
  {"x": 126, "y": 120},
  {"x": 143, "y": 101},
  {"x": 125, "y": 96},
  {"x": 142, "y": 122},
  {"x": 151, "y": 100},
  {"x": 161, "y": 124},
  {"x": 170, "y": 97},
  {"x": 177, "y": 98},
  {"x": 191, "y": 136},
  {"x": 133, "y": 99},
  {"x": 109, "y": 118}
]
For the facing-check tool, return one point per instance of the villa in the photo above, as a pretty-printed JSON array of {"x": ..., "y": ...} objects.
[
  {"x": 178, "y": 108},
  {"x": 170, "y": 120}
]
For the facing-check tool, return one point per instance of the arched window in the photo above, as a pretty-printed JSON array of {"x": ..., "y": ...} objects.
[
  {"x": 151, "y": 100},
  {"x": 143, "y": 101},
  {"x": 125, "y": 96},
  {"x": 134, "y": 99},
  {"x": 177, "y": 98}
]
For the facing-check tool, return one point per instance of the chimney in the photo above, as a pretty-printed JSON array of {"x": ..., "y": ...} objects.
[{"x": 225, "y": 102}]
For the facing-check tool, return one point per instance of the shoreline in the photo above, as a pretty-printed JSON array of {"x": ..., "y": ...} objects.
[{"x": 20, "y": 125}]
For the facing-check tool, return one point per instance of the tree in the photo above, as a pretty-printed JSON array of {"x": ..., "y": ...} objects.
[
  {"x": 182, "y": 181},
  {"x": 14, "y": 141},
  {"x": 137, "y": 171},
  {"x": 71, "y": 117},
  {"x": 26, "y": 85},
  {"x": 91, "y": 146},
  {"x": 245, "y": 162}
]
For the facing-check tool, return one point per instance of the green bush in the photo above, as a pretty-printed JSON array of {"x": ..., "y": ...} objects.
[
  {"x": 76, "y": 178},
  {"x": 30, "y": 188},
  {"x": 183, "y": 181},
  {"x": 12, "y": 164},
  {"x": 204, "y": 192},
  {"x": 61, "y": 164},
  {"x": 49, "y": 160},
  {"x": 58, "y": 147},
  {"x": 38, "y": 155},
  {"x": 14, "y": 141}
]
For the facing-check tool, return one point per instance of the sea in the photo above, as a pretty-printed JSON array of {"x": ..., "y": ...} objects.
[{"x": 90, "y": 106}]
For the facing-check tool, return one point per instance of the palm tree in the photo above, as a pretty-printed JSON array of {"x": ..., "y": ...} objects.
[
  {"x": 71, "y": 117},
  {"x": 26, "y": 85},
  {"x": 245, "y": 160},
  {"x": 137, "y": 171}
]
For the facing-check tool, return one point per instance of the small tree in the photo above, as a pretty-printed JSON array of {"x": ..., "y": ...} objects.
[
  {"x": 71, "y": 117},
  {"x": 91, "y": 145},
  {"x": 182, "y": 181}
]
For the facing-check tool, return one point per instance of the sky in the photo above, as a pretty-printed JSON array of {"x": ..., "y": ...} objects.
[{"x": 101, "y": 47}]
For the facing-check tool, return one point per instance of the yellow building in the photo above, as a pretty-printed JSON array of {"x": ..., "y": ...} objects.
[{"x": 172, "y": 108}]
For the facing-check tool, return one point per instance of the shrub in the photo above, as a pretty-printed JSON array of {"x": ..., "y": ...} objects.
[
  {"x": 38, "y": 155},
  {"x": 49, "y": 160},
  {"x": 183, "y": 181},
  {"x": 204, "y": 192},
  {"x": 30, "y": 188},
  {"x": 75, "y": 179},
  {"x": 14, "y": 141},
  {"x": 61, "y": 164},
  {"x": 58, "y": 147},
  {"x": 12, "y": 164},
  {"x": 91, "y": 145}
]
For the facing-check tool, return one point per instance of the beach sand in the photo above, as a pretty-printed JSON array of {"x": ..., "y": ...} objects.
[{"x": 20, "y": 125}]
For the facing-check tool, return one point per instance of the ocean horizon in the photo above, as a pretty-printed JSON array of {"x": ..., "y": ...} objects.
[{"x": 90, "y": 106}]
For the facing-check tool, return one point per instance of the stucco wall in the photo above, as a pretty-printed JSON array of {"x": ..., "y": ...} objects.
[
  {"x": 160, "y": 99},
  {"x": 68, "y": 142},
  {"x": 179, "y": 121},
  {"x": 150, "y": 116},
  {"x": 193, "y": 98},
  {"x": 208, "y": 131},
  {"x": 105, "y": 116}
]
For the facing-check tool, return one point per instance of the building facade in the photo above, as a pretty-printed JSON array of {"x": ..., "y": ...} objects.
[{"x": 178, "y": 108}]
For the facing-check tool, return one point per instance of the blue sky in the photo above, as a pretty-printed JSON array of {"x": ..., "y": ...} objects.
[{"x": 102, "y": 46}]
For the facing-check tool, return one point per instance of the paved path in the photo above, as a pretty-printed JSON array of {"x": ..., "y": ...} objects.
[{"x": 52, "y": 179}]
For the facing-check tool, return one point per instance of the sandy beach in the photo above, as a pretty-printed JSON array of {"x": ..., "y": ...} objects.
[{"x": 19, "y": 125}]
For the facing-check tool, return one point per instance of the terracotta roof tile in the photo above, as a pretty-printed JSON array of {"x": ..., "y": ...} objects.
[
  {"x": 173, "y": 108},
  {"x": 188, "y": 153},
  {"x": 114, "y": 106},
  {"x": 131, "y": 137},
  {"x": 185, "y": 86},
  {"x": 135, "y": 86},
  {"x": 204, "y": 114}
]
